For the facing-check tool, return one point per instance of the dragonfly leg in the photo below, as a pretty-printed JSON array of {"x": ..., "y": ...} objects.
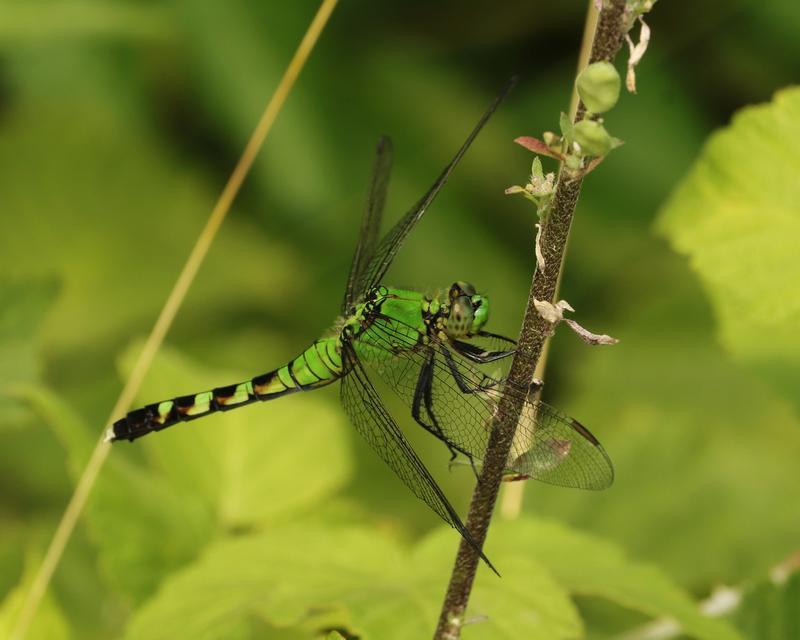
[
  {"x": 478, "y": 355},
  {"x": 464, "y": 386},
  {"x": 423, "y": 396},
  {"x": 481, "y": 356}
]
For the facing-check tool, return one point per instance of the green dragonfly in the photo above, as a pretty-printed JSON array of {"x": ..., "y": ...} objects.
[{"x": 430, "y": 350}]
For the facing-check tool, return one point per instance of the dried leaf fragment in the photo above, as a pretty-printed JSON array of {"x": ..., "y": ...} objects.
[{"x": 554, "y": 313}]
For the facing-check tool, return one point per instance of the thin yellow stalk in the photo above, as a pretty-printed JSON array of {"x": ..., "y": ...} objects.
[{"x": 79, "y": 497}]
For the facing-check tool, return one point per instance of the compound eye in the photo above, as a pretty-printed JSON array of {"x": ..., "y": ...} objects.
[{"x": 466, "y": 288}]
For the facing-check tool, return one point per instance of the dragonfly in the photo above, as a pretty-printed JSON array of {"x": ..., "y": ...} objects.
[{"x": 433, "y": 351}]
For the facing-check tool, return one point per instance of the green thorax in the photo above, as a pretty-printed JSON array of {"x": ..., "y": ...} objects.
[
  {"x": 461, "y": 313},
  {"x": 402, "y": 307}
]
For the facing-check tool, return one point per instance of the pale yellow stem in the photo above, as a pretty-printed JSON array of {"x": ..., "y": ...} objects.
[
  {"x": 79, "y": 497},
  {"x": 589, "y": 27}
]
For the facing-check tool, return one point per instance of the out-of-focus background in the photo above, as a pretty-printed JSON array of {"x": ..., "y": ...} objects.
[{"x": 119, "y": 124}]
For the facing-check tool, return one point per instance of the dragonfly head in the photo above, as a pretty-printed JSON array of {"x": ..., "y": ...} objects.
[{"x": 469, "y": 310}]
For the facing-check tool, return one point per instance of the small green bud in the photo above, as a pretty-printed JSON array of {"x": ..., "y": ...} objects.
[
  {"x": 565, "y": 124},
  {"x": 593, "y": 138},
  {"x": 598, "y": 86},
  {"x": 552, "y": 140},
  {"x": 536, "y": 168}
]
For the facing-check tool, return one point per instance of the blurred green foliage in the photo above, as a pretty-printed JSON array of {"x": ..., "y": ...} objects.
[
  {"x": 737, "y": 218},
  {"x": 119, "y": 123},
  {"x": 769, "y": 609}
]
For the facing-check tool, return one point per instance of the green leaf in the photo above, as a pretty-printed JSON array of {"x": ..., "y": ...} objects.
[
  {"x": 202, "y": 479},
  {"x": 49, "y": 622},
  {"x": 737, "y": 217},
  {"x": 770, "y": 610},
  {"x": 536, "y": 168},
  {"x": 701, "y": 448},
  {"x": 22, "y": 308},
  {"x": 598, "y": 86},
  {"x": 144, "y": 526},
  {"x": 527, "y": 602},
  {"x": 586, "y": 565},
  {"x": 278, "y": 576},
  {"x": 349, "y": 579},
  {"x": 566, "y": 127}
]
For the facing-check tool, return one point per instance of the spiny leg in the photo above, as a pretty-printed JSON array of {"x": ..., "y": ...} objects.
[
  {"x": 483, "y": 356},
  {"x": 428, "y": 397},
  {"x": 423, "y": 395},
  {"x": 476, "y": 354},
  {"x": 462, "y": 383}
]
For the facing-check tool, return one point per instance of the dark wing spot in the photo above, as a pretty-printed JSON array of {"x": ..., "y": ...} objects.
[{"x": 584, "y": 432}]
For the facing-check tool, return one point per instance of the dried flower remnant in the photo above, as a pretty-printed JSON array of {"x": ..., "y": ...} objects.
[
  {"x": 554, "y": 313},
  {"x": 636, "y": 53},
  {"x": 539, "y": 255}
]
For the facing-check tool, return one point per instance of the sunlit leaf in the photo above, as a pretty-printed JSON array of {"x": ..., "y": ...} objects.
[
  {"x": 737, "y": 217},
  {"x": 586, "y": 565},
  {"x": 701, "y": 449},
  {"x": 149, "y": 520},
  {"x": 143, "y": 525},
  {"x": 351, "y": 579}
]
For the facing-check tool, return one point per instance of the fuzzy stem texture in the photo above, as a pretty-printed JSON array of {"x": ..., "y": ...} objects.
[{"x": 607, "y": 41}]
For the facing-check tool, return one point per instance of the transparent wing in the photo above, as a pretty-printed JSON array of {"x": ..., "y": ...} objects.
[
  {"x": 370, "y": 222},
  {"x": 387, "y": 249},
  {"x": 459, "y": 401},
  {"x": 372, "y": 420}
]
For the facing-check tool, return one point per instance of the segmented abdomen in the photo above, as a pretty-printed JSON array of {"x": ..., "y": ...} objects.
[{"x": 317, "y": 366}]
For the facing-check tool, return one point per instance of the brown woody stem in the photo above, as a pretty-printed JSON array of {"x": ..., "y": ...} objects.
[{"x": 607, "y": 41}]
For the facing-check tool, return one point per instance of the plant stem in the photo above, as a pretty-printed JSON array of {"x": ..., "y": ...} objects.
[
  {"x": 511, "y": 498},
  {"x": 607, "y": 41}
]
